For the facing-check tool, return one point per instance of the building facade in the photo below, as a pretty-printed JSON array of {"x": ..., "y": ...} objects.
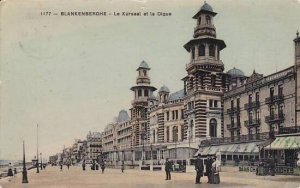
[
  {"x": 205, "y": 82},
  {"x": 94, "y": 146},
  {"x": 226, "y": 114}
]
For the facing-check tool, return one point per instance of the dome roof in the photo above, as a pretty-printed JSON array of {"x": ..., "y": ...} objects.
[
  {"x": 236, "y": 72},
  {"x": 123, "y": 116},
  {"x": 206, "y": 7},
  {"x": 143, "y": 65},
  {"x": 164, "y": 89}
]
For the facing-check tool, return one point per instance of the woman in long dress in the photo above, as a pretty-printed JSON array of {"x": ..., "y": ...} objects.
[
  {"x": 215, "y": 176},
  {"x": 10, "y": 171}
]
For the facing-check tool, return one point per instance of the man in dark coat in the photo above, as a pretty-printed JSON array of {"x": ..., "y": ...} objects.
[
  {"x": 208, "y": 167},
  {"x": 83, "y": 165},
  {"x": 199, "y": 168},
  {"x": 168, "y": 167}
]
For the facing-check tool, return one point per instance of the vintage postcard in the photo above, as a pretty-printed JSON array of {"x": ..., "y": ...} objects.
[{"x": 149, "y": 93}]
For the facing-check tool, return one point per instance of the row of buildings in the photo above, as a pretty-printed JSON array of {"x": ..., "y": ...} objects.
[
  {"x": 88, "y": 149},
  {"x": 219, "y": 113}
]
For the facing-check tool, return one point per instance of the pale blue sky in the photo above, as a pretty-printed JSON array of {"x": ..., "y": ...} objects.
[{"x": 73, "y": 74}]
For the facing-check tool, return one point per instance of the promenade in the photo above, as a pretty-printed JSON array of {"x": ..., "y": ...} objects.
[{"x": 76, "y": 178}]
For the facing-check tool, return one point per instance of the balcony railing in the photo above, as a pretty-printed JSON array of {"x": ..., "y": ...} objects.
[
  {"x": 274, "y": 118},
  {"x": 232, "y": 110},
  {"x": 251, "y": 105},
  {"x": 234, "y": 126},
  {"x": 236, "y": 139},
  {"x": 289, "y": 130},
  {"x": 252, "y": 123},
  {"x": 275, "y": 98}
]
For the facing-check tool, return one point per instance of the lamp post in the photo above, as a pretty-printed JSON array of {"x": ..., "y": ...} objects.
[
  {"x": 24, "y": 173},
  {"x": 151, "y": 151},
  {"x": 37, "y": 148},
  {"x": 143, "y": 140},
  {"x": 41, "y": 161}
]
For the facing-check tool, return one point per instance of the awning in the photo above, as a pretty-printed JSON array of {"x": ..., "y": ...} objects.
[
  {"x": 287, "y": 142},
  {"x": 242, "y": 148}
]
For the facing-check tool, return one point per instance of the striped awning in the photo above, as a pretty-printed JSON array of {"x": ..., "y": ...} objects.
[
  {"x": 241, "y": 148},
  {"x": 287, "y": 142}
]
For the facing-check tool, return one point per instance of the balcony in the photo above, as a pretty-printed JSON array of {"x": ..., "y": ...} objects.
[
  {"x": 233, "y": 126},
  {"x": 252, "y": 123},
  {"x": 251, "y": 105},
  {"x": 274, "y": 118},
  {"x": 289, "y": 130},
  {"x": 233, "y": 110},
  {"x": 275, "y": 98},
  {"x": 204, "y": 62},
  {"x": 236, "y": 139}
]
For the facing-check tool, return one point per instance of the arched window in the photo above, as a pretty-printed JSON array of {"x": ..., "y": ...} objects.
[
  {"x": 201, "y": 50},
  {"x": 208, "y": 19},
  {"x": 199, "y": 20},
  {"x": 193, "y": 53},
  {"x": 212, "y": 50},
  {"x": 191, "y": 129},
  {"x": 280, "y": 110},
  {"x": 213, "y": 127},
  {"x": 257, "y": 115},
  {"x": 146, "y": 92},
  {"x": 139, "y": 92},
  {"x": 272, "y": 112},
  {"x": 175, "y": 134},
  {"x": 250, "y": 117},
  {"x": 145, "y": 72},
  {"x": 168, "y": 135}
]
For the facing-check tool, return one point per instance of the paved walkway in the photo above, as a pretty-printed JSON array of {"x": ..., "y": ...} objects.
[{"x": 76, "y": 178}]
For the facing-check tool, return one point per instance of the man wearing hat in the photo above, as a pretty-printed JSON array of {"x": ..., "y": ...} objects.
[
  {"x": 168, "y": 167},
  {"x": 199, "y": 168}
]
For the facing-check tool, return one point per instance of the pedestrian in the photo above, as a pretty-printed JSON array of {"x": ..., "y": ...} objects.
[
  {"x": 83, "y": 165},
  {"x": 10, "y": 171},
  {"x": 122, "y": 167},
  {"x": 208, "y": 168},
  {"x": 15, "y": 171},
  {"x": 199, "y": 168},
  {"x": 168, "y": 167},
  {"x": 215, "y": 176},
  {"x": 61, "y": 165},
  {"x": 68, "y": 165},
  {"x": 102, "y": 167}
]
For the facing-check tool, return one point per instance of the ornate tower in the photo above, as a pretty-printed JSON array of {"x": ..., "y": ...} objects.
[
  {"x": 297, "y": 67},
  {"x": 163, "y": 94},
  {"x": 142, "y": 91},
  {"x": 205, "y": 81}
]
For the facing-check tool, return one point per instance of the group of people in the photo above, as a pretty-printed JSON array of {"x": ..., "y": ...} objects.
[
  {"x": 94, "y": 166},
  {"x": 211, "y": 169}
]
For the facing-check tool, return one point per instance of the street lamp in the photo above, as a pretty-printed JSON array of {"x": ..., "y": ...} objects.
[
  {"x": 37, "y": 148},
  {"x": 24, "y": 173},
  {"x": 143, "y": 141},
  {"x": 41, "y": 161},
  {"x": 151, "y": 151}
]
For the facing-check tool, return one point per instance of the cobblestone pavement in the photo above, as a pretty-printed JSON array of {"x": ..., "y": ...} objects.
[{"x": 76, "y": 178}]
